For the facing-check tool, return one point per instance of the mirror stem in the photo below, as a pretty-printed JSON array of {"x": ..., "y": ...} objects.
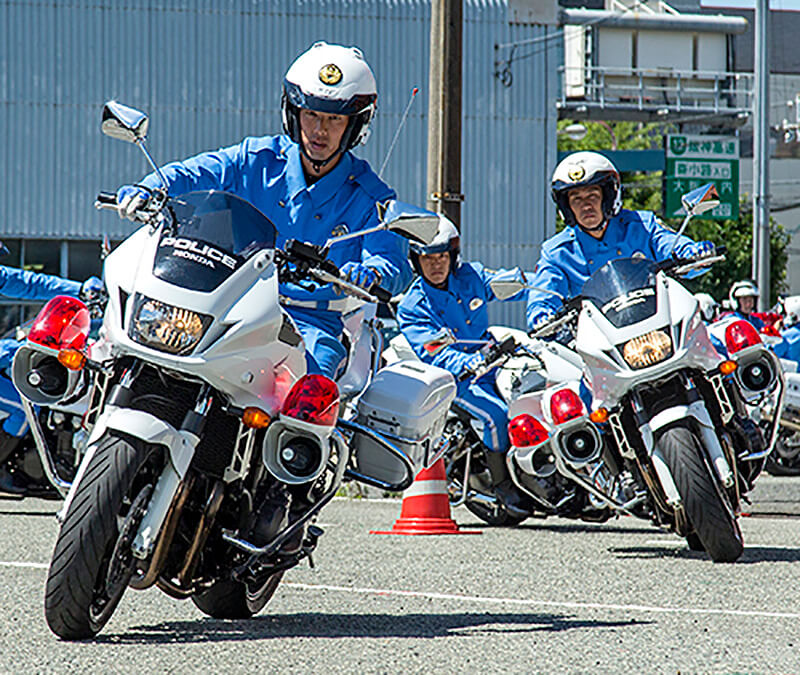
[{"x": 140, "y": 143}]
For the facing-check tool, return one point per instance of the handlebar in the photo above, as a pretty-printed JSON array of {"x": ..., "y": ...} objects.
[
  {"x": 495, "y": 354},
  {"x": 312, "y": 260}
]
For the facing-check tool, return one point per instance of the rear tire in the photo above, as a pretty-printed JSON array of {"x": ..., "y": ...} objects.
[
  {"x": 707, "y": 506},
  {"x": 231, "y": 599},
  {"x": 79, "y": 596}
]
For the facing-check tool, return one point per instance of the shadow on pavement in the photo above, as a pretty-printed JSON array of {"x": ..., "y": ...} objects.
[
  {"x": 320, "y": 625},
  {"x": 751, "y": 555}
]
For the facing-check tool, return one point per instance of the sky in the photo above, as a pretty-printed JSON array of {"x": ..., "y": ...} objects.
[{"x": 792, "y": 5}]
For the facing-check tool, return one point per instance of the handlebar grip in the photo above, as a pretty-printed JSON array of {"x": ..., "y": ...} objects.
[
  {"x": 465, "y": 375},
  {"x": 107, "y": 198},
  {"x": 721, "y": 250},
  {"x": 382, "y": 294}
]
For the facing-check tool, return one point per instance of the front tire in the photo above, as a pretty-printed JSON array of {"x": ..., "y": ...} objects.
[
  {"x": 82, "y": 589},
  {"x": 231, "y": 599},
  {"x": 707, "y": 506}
]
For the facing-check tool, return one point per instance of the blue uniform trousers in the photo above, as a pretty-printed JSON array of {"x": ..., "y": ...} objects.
[{"x": 481, "y": 400}]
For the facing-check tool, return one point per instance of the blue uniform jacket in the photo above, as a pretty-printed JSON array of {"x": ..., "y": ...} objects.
[
  {"x": 268, "y": 173},
  {"x": 24, "y": 285},
  {"x": 570, "y": 257},
  {"x": 789, "y": 347},
  {"x": 425, "y": 310}
]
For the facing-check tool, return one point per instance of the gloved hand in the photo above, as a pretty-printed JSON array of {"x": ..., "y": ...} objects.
[
  {"x": 92, "y": 289},
  {"x": 359, "y": 274},
  {"x": 544, "y": 316},
  {"x": 472, "y": 363},
  {"x": 702, "y": 249},
  {"x": 131, "y": 198}
]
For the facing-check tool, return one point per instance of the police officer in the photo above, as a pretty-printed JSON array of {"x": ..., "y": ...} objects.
[
  {"x": 310, "y": 186},
  {"x": 454, "y": 295},
  {"x": 789, "y": 347},
  {"x": 588, "y": 192},
  {"x": 743, "y": 298},
  {"x": 24, "y": 285}
]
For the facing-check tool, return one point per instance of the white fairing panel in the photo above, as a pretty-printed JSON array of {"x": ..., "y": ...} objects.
[
  {"x": 250, "y": 364},
  {"x": 677, "y": 313}
]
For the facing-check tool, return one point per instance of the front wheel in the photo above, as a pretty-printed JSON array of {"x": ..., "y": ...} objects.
[
  {"x": 92, "y": 561},
  {"x": 707, "y": 506}
]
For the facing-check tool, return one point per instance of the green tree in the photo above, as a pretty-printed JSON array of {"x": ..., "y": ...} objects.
[{"x": 643, "y": 192}]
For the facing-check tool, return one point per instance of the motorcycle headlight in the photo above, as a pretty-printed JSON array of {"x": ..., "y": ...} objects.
[
  {"x": 648, "y": 349},
  {"x": 166, "y": 328}
]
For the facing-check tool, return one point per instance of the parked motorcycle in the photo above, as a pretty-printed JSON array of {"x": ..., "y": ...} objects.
[
  {"x": 210, "y": 451},
  {"x": 669, "y": 436}
]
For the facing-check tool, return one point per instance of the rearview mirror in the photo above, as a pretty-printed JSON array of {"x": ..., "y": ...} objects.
[
  {"x": 124, "y": 123},
  {"x": 508, "y": 283},
  {"x": 409, "y": 221},
  {"x": 412, "y": 222},
  {"x": 444, "y": 338},
  {"x": 701, "y": 199}
]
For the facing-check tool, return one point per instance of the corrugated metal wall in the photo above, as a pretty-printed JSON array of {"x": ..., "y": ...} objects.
[{"x": 209, "y": 72}]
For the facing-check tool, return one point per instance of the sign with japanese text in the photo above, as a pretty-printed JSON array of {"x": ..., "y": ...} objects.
[{"x": 692, "y": 161}]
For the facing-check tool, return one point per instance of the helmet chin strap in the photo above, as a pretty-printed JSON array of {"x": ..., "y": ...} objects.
[
  {"x": 596, "y": 228},
  {"x": 317, "y": 164}
]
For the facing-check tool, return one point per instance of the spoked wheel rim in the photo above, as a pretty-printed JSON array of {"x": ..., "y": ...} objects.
[{"x": 117, "y": 567}]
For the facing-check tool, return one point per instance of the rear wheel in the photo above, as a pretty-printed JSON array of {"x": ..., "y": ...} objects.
[
  {"x": 92, "y": 561},
  {"x": 231, "y": 599},
  {"x": 707, "y": 506}
]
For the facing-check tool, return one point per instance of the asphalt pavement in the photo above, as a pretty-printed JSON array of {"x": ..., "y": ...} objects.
[{"x": 551, "y": 596}]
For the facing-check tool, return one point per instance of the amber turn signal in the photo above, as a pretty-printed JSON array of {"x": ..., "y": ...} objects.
[
  {"x": 72, "y": 359},
  {"x": 255, "y": 418},
  {"x": 599, "y": 416},
  {"x": 727, "y": 367}
]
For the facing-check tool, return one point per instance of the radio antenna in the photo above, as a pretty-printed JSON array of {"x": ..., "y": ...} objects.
[{"x": 399, "y": 129}]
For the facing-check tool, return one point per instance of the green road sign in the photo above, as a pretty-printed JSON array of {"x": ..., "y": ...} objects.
[{"x": 692, "y": 161}]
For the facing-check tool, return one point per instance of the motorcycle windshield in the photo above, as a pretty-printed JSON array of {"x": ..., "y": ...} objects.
[
  {"x": 211, "y": 235},
  {"x": 624, "y": 290}
]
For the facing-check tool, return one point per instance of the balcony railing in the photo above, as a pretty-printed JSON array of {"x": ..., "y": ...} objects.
[{"x": 654, "y": 93}]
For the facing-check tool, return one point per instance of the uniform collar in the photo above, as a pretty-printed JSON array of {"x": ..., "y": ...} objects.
[
  {"x": 323, "y": 189},
  {"x": 610, "y": 236}
]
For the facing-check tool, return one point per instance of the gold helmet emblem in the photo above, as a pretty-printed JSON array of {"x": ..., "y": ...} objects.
[
  {"x": 577, "y": 173},
  {"x": 330, "y": 74}
]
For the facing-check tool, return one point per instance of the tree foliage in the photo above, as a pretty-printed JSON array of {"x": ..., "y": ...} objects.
[{"x": 643, "y": 192}]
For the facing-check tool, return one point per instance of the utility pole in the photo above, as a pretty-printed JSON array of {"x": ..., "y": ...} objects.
[
  {"x": 761, "y": 257},
  {"x": 444, "y": 110}
]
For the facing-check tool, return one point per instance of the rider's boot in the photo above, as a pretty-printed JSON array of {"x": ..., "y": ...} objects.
[{"x": 504, "y": 489}]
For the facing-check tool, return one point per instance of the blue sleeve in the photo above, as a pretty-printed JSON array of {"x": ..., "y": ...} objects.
[
  {"x": 549, "y": 276},
  {"x": 661, "y": 238},
  {"x": 215, "y": 170},
  {"x": 419, "y": 326},
  {"x": 387, "y": 253},
  {"x": 7, "y": 350},
  {"x": 24, "y": 285}
]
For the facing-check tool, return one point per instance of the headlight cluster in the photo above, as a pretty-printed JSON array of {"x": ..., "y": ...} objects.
[
  {"x": 166, "y": 328},
  {"x": 648, "y": 349}
]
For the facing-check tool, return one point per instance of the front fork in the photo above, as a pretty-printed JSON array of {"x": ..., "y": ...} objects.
[{"x": 695, "y": 409}]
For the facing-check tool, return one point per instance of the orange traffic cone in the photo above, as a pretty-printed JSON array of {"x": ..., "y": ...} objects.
[{"x": 426, "y": 507}]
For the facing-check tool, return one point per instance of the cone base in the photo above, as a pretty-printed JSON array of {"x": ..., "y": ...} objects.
[{"x": 417, "y": 526}]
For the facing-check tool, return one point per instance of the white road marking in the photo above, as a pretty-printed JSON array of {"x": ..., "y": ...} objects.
[
  {"x": 503, "y": 601},
  {"x": 10, "y": 563},
  {"x": 542, "y": 603}
]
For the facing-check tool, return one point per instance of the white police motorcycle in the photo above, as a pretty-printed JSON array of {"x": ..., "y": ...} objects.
[
  {"x": 669, "y": 436},
  {"x": 210, "y": 450}
]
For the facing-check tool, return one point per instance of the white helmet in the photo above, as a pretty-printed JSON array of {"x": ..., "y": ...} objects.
[
  {"x": 709, "y": 307},
  {"x": 447, "y": 239},
  {"x": 330, "y": 79},
  {"x": 742, "y": 289},
  {"x": 791, "y": 310},
  {"x": 586, "y": 168}
]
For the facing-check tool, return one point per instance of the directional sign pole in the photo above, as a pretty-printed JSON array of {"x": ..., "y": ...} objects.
[{"x": 761, "y": 256}]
